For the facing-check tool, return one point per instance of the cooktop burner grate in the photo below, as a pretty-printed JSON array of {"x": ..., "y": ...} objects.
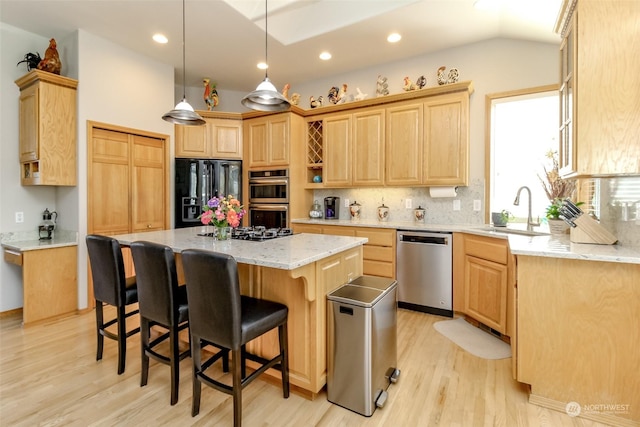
[{"x": 255, "y": 234}]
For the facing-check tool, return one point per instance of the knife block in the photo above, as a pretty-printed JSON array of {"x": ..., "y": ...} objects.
[{"x": 588, "y": 230}]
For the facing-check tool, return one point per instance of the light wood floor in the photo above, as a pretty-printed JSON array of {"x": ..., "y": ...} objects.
[{"x": 49, "y": 377}]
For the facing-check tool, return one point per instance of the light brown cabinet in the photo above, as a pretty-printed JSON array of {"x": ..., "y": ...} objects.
[
  {"x": 578, "y": 335},
  {"x": 49, "y": 279},
  {"x": 417, "y": 138},
  {"x": 128, "y": 182},
  {"x": 219, "y": 138},
  {"x": 599, "y": 124},
  {"x": 484, "y": 281},
  {"x": 268, "y": 140},
  {"x": 379, "y": 253},
  {"x": 428, "y": 142},
  {"x": 47, "y": 129},
  {"x": 404, "y": 142},
  {"x": 354, "y": 148}
]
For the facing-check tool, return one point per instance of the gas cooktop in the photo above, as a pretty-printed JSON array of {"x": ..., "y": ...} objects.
[{"x": 255, "y": 234}]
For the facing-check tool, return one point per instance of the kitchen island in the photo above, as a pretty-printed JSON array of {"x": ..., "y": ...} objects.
[{"x": 298, "y": 271}]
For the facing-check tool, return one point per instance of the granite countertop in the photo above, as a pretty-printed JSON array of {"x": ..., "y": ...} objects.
[
  {"x": 286, "y": 253},
  {"x": 539, "y": 245},
  {"x": 29, "y": 240}
]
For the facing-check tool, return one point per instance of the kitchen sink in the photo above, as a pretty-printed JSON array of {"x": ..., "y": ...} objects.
[{"x": 516, "y": 229}]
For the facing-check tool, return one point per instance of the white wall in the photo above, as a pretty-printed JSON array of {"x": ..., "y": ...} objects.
[
  {"x": 116, "y": 86},
  {"x": 120, "y": 87},
  {"x": 14, "y": 44}
]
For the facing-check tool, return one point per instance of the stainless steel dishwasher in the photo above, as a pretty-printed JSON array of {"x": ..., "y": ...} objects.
[{"x": 424, "y": 266}]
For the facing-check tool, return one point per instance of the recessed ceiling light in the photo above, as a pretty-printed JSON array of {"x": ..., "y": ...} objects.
[
  {"x": 262, "y": 66},
  {"x": 160, "y": 38},
  {"x": 394, "y": 37},
  {"x": 325, "y": 56}
]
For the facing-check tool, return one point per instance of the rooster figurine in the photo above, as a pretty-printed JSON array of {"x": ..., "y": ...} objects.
[
  {"x": 408, "y": 85},
  {"x": 451, "y": 78},
  {"x": 342, "y": 94},
  {"x": 421, "y": 82},
  {"x": 51, "y": 62},
  {"x": 285, "y": 91},
  {"x": 333, "y": 94},
  {"x": 210, "y": 94}
]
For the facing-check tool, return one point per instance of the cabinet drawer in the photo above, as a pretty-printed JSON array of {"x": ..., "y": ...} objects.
[
  {"x": 488, "y": 248},
  {"x": 339, "y": 231},
  {"x": 378, "y": 237},
  {"x": 13, "y": 257},
  {"x": 378, "y": 253},
  {"x": 377, "y": 268}
]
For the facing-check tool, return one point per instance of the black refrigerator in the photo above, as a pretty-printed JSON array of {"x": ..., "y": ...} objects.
[{"x": 198, "y": 180}]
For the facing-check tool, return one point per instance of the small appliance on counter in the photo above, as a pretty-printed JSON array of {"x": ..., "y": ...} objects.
[
  {"x": 46, "y": 227},
  {"x": 331, "y": 207}
]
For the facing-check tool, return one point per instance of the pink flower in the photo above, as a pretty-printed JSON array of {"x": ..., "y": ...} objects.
[{"x": 206, "y": 217}]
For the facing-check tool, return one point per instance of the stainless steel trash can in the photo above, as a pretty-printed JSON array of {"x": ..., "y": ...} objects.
[{"x": 362, "y": 343}]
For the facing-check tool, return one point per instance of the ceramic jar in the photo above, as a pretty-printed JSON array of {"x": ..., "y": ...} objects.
[
  {"x": 418, "y": 214},
  {"x": 383, "y": 213},
  {"x": 316, "y": 210},
  {"x": 354, "y": 210}
]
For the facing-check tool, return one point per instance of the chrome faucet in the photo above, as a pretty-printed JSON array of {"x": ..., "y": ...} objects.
[{"x": 516, "y": 202}]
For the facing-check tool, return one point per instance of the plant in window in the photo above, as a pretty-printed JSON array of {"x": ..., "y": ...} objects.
[{"x": 556, "y": 187}]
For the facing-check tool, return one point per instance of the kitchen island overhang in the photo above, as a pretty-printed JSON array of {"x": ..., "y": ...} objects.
[{"x": 298, "y": 271}]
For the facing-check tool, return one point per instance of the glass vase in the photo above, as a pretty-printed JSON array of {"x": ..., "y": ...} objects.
[{"x": 223, "y": 233}]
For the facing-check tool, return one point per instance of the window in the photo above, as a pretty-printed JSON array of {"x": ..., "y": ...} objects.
[{"x": 523, "y": 128}]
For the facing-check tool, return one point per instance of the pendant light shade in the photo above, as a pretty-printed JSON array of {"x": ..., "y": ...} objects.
[
  {"x": 266, "y": 97},
  {"x": 183, "y": 113}
]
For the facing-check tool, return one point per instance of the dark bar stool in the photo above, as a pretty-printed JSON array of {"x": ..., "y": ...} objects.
[
  {"x": 111, "y": 287},
  {"x": 219, "y": 315},
  {"x": 162, "y": 302}
]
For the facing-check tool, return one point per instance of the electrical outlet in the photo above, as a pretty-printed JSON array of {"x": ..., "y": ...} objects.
[
  {"x": 346, "y": 203},
  {"x": 19, "y": 217},
  {"x": 408, "y": 203},
  {"x": 477, "y": 205},
  {"x": 456, "y": 205}
]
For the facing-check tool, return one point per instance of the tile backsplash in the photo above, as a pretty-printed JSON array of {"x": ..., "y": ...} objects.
[
  {"x": 437, "y": 210},
  {"x": 620, "y": 215}
]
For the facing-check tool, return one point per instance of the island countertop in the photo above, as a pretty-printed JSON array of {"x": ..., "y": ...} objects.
[{"x": 286, "y": 253}]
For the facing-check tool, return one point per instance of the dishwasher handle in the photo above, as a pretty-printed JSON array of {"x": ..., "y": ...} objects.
[{"x": 431, "y": 240}]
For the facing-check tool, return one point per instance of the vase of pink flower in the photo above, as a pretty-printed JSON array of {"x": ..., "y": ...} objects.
[{"x": 224, "y": 213}]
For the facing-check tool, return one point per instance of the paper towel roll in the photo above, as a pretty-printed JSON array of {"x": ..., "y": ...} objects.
[{"x": 437, "y": 192}]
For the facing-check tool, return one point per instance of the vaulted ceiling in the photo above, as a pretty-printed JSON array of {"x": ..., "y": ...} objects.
[{"x": 225, "y": 39}]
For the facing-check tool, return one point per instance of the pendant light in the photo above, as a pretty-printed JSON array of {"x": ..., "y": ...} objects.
[
  {"x": 266, "y": 97},
  {"x": 182, "y": 113}
]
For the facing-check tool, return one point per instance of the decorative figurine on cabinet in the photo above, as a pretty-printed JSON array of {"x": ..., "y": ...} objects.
[
  {"x": 360, "y": 96},
  {"x": 421, "y": 82},
  {"x": 333, "y": 95},
  {"x": 32, "y": 60},
  {"x": 51, "y": 62},
  {"x": 382, "y": 88},
  {"x": 314, "y": 103},
  {"x": 409, "y": 85},
  {"x": 295, "y": 98},
  {"x": 210, "y": 94},
  {"x": 451, "y": 78},
  {"x": 285, "y": 91},
  {"x": 342, "y": 94}
]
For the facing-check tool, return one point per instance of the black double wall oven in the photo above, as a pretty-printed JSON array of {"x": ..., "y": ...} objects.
[{"x": 269, "y": 198}]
